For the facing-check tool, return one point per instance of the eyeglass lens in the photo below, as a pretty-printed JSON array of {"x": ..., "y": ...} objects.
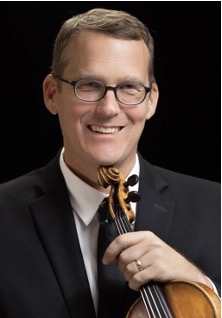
[{"x": 91, "y": 90}]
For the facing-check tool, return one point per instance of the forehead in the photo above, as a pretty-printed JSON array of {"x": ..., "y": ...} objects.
[{"x": 95, "y": 51}]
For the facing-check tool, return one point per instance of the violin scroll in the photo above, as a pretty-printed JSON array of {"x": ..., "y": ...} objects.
[{"x": 110, "y": 176}]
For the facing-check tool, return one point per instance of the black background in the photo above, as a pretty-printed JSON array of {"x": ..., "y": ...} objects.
[{"x": 184, "y": 135}]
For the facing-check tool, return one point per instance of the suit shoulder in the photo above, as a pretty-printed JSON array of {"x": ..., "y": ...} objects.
[
  {"x": 20, "y": 187},
  {"x": 186, "y": 179},
  {"x": 181, "y": 185}
]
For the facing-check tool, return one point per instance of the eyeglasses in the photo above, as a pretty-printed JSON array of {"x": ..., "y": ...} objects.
[{"x": 90, "y": 90}]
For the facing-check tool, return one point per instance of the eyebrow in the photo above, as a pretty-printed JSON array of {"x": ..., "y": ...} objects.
[{"x": 124, "y": 79}]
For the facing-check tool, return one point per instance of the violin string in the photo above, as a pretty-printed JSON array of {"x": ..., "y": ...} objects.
[
  {"x": 162, "y": 301},
  {"x": 148, "y": 304},
  {"x": 122, "y": 223},
  {"x": 124, "y": 227},
  {"x": 150, "y": 294}
]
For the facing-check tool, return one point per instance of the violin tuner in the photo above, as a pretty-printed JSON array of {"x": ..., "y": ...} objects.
[
  {"x": 132, "y": 180},
  {"x": 133, "y": 196}
]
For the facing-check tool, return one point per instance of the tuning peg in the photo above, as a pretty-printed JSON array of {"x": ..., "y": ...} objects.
[
  {"x": 133, "y": 196},
  {"x": 132, "y": 180}
]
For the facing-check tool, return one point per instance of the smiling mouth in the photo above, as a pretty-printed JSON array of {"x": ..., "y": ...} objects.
[{"x": 105, "y": 130}]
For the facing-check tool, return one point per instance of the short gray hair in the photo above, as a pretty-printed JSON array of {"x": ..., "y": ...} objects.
[{"x": 118, "y": 24}]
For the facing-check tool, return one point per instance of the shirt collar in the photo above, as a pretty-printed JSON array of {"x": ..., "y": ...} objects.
[{"x": 84, "y": 198}]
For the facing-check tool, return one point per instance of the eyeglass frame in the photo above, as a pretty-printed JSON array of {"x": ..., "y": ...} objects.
[{"x": 107, "y": 88}]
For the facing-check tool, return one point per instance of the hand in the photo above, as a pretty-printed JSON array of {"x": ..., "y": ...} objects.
[{"x": 159, "y": 261}]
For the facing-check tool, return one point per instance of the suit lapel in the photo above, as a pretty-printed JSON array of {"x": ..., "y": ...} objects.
[
  {"x": 54, "y": 220},
  {"x": 155, "y": 211}
]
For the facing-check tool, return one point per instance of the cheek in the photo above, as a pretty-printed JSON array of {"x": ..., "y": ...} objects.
[
  {"x": 69, "y": 120},
  {"x": 67, "y": 114},
  {"x": 138, "y": 116},
  {"x": 66, "y": 107},
  {"x": 73, "y": 117}
]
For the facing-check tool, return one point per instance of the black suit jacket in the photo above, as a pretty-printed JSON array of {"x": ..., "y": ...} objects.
[{"x": 41, "y": 267}]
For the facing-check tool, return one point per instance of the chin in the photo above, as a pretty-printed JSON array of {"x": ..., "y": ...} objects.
[
  {"x": 107, "y": 162},
  {"x": 109, "y": 158}
]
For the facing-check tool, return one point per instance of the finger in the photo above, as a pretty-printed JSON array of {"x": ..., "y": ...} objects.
[
  {"x": 120, "y": 244},
  {"x": 137, "y": 274},
  {"x": 138, "y": 280},
  {"x": 134, "y": 267}
]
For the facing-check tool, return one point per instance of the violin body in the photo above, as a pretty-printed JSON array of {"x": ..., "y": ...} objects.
[{"x": 185, "y": 299}]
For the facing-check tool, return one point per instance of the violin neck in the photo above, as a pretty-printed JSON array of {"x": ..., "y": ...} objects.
[
  {"x": 151, "y": 293},
  {"x": 122, "y": 223}
]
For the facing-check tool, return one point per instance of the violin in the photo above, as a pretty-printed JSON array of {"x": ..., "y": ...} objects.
[{"x": 175, "y": 299}]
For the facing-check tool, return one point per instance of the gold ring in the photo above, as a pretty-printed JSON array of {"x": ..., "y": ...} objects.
[{"x": 138, "y": 264}]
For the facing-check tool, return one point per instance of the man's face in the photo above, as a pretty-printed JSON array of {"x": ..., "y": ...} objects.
[{"x": 103, "y": 132}]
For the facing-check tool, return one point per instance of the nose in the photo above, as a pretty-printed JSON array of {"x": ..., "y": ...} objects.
[{"x": 108, "y": 105}]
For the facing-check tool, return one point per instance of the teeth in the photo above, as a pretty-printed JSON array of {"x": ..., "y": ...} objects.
[{"x": 104, "y": 130}]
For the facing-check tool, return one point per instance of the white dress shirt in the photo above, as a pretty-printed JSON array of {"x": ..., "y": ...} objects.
[{"x": 85, "y": 201}]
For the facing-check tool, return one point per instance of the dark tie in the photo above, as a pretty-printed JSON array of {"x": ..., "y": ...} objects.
[{"x": 111, "y": 283}]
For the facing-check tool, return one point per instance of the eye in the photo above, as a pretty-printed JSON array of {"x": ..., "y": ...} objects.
[
  {"x": 89, "y": 85},
  {"x": 131, "y": 88}
]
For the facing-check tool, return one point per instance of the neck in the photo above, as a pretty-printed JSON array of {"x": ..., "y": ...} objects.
[{"x": 89, "y": 174}]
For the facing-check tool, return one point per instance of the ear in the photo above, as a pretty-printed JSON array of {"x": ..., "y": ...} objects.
[
  {"x": 153, "y": 100},
  {"x": 49, "y": 93}
]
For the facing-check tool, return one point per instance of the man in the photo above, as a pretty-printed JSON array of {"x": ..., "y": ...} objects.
[{"x": 103, "y": 89}]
